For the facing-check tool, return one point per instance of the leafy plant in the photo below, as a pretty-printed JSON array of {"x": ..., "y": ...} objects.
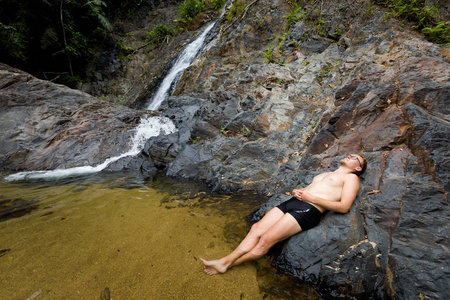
[
  {"x": 246, "y": 131},
  {"x": 58, "y": 36},
  {"x": 439, "y": 34},
  {"x": 268, "y": 55},
  {"x": 236, "y": 9},
  {"x": 223, "y": 130},
  {"x": 190, "y": 9},
  {"x": 14, "y": 40},
  {"x": 215, "y": 4},
  {"x": 158, "y": 34},
  {"x": 294, "y": 15},
  {"x": 425, "y": 18},
  {"x": 125, "y": 49},
  {"x": 195, "y": 140},
  {"x": 338, "y": 32},
  {"x": 323, "y": 73}
]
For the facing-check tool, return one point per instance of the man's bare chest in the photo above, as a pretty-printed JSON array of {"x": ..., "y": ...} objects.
[{"x": 330, "y": 180}]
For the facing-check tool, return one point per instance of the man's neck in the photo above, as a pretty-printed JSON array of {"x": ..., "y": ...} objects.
[{"x": 343, "y": 170}]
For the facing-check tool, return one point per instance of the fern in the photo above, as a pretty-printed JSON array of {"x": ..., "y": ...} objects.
[
  {"x": 440, "y": 33},
  {"x": 425, "y": 18},
  {"x": 105, "y": 22},
  {"x": 48, "y": 38}
]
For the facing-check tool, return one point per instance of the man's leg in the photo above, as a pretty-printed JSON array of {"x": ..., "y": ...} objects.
[
  {"x": 286, "y": 227},
  {"x": 248, "y": 243}
]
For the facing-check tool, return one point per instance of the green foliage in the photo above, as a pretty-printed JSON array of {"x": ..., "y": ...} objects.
[
  {"x": 55, "y": 36},
  {"x": 14, "y": 41},
  {"x": 223, "y": 130},
  {"x": 268, "y": 55},
  {"x": 281, "y": 39},
  {"x": 195, "y": 140},
  {"x": 159, "y": 33},
  {"x": 311, "y": 13},
  {"x": 424, "y": 17},
  {"x": 236, "y": 9},
  {"x": 190, "y": 9},
  {"x": 70, "y": 81},
  {"x": 246, "y": 131},
  {"x": 323, "y": 73},
  {"x": 294, "y": 15},
  {"x": 125, "y": 50},
  {"x": 440, "y": 34},
  {"x": 215, "y": 4},
  {"x": 338, "y": 32}
]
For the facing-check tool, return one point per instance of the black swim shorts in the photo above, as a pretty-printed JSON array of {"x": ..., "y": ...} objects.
[{"x": 306, "y": 214}]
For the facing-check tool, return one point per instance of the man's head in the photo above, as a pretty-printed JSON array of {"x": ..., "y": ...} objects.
[{"x": 357, "y": 162}]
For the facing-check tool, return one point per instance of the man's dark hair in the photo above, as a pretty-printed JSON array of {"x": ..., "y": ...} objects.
[{"x": 363, "y": 165}]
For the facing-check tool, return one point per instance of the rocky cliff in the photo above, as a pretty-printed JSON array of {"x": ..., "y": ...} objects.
[{"x": 270, "y": 102}]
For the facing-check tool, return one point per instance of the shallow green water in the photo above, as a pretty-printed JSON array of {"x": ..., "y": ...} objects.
[{"x": 120, "y": 236}]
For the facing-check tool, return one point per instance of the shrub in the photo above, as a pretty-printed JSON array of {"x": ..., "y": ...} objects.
[
  {"x": 215, "y": 4},
  {"x": 158, "y": 34},
  {"x": 190, "y": 9},
  {"x": 439, "y": 34},
  {"x": 423, "y": 16}
]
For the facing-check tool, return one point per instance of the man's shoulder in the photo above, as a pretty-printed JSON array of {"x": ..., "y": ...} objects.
[{"x": 352, "y": 177}]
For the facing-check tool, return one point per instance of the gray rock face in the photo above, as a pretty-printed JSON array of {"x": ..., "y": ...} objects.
[
  {"x": 245, "y": 124},
  {"x": 48, "y": 126},
  {"x": 271, "y": 128}
]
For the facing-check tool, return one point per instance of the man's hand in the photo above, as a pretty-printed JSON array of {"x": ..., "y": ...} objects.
[
  {"x": 297, "y": 193},
  {"x": 349, "y": 191},
  {"x": 303, "y": 195}
]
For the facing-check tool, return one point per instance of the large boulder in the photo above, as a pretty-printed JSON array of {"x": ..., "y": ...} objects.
[{"x": 47, "y": 126}]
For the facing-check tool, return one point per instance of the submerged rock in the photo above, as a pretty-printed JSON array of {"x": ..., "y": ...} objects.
[{"x": 15, "y": 208}]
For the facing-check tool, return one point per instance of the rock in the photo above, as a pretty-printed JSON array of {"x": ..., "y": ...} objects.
[
  {"x": 371, "y": 95},
  {"x": 47, "y": 126},
  {"x": 15, "y": 208},
  {"x": 105, "y": 294}
]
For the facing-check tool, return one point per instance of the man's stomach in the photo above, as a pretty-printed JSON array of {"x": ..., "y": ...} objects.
[{"x": 326, "y": 196}]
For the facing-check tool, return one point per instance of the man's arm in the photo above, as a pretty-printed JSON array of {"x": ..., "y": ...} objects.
[{"x": 349, "y": 192}]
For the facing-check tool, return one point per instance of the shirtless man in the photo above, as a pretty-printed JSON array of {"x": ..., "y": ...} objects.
[{"x": 333, "y": 191}]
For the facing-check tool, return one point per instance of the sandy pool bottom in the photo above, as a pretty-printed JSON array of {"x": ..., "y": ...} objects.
[{"x": 97, "y": 242}]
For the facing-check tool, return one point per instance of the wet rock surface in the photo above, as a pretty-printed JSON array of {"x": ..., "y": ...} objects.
[
  {"x": 47, "y": 126},
  {"x": 248, "y": 125}
]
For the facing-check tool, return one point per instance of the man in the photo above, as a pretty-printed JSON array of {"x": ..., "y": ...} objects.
[{"x": 333, "y": 191}]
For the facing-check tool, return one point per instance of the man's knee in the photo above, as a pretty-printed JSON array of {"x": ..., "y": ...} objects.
[
  {"x": 263, "y": 246},
  {"x": 257, "y": 229}
]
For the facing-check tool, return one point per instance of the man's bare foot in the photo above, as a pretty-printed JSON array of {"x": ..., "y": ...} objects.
[{"x": 213, "y": 267}]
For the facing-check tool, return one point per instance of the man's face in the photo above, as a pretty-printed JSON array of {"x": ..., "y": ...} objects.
[{"x": 353, "y": 160}]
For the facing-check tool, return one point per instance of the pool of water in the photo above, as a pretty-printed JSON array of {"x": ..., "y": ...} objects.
[{"x": 121, "y": 236}]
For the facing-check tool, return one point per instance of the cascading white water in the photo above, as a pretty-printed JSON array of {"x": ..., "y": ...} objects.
[
  {"x": 183, "y": 61},
  {"x": 153, "y": 126},
  {"x": 148, "y": 128}
]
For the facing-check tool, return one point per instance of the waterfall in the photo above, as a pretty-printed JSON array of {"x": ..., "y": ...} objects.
[
  {"x": 148, "y": 128},
  {"x": 183, "y": 61},
  {"x": 152, "y": 126}
]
